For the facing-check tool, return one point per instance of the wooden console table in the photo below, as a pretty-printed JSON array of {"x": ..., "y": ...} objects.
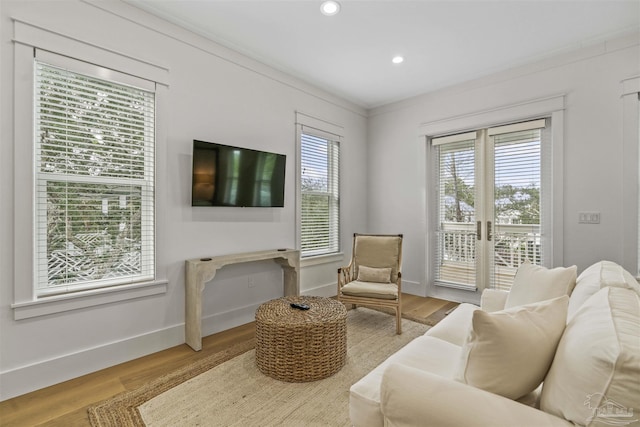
[{"x": 202, "y": 270}]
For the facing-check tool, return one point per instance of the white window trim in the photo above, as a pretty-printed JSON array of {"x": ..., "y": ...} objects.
[
  {"x": 552, "y": 107},
  {"x": 28, "y": 38},
  {"x": 326, "y": 129},
  {"x": 630, "y": 174}
]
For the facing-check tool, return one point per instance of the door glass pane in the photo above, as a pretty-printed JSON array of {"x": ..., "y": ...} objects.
[
  {"x": 456, "y": 231},
  {"x": 517, "y": 188}
]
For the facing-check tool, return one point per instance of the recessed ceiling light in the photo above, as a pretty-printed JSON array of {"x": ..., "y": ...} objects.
[
  {"x": 330, "y": 7},
  {"x": 397, "y": 59}
]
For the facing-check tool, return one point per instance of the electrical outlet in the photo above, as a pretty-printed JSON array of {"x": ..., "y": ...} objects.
[
  {"x": 589, "y": 217},
  {"x": 251, "y": 282}
]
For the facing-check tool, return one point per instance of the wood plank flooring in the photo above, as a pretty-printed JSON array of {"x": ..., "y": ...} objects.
[{"x": 66, "y": 404}]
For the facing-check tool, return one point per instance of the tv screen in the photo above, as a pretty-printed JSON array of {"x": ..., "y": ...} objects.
[{"x": 232, "y": 176}]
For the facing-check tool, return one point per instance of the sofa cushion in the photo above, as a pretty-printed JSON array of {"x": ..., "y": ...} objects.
[
  {"x": 372, "y": 274},
  {"x": 412, "y": 398},
  {"x": 509, "y": 352},
  {"x": 493, "y": 300},
  {"x": 455, "y": 327},
  {"x": 597, "y": 276},
  {"x": 425, "y": 353},
  {"x": 596, "y": 370},
  {"x": 533, "y": 283}
]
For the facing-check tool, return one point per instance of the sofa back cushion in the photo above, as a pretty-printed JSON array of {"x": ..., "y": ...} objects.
[
  {"x": 534, "y": 283},
  {"x": 595, "y": 375},
  {"x": 509, "y": 352},
  {"x": 597, "y": 276}
]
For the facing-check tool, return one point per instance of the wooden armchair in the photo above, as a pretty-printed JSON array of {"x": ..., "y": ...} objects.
[{"x": 373, "y": 276}]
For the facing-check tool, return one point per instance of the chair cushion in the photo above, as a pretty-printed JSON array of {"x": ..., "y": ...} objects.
[
  {"x": 509, "y": 352},
  {"x": 372, "y": 274},
  {"x": 534, "y": 283},
  {"x": 371, "y": 290},
  {"x": 595, "y": 375}
]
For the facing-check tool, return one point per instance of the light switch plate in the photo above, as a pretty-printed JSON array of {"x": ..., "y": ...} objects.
[{"x": 589, "y": 217}]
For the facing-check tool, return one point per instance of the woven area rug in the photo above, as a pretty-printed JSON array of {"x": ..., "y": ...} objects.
[{"x": 224, "y": 390}]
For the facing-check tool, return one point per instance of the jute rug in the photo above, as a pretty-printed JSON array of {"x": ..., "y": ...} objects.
[{"x": 224, "y": 390}]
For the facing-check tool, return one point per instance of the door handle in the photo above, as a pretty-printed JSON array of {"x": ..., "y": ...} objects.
[
  {"x": 479, "y": 230},
  {"x": 489, "y": 236}
]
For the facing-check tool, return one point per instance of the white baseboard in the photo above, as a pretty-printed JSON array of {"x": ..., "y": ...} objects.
[
  {"x": 33, "y": 377},
  {"x": 413, "y": 288},
  {"x": 328, "y": 290},
  {"x": 26, "y": 379}
]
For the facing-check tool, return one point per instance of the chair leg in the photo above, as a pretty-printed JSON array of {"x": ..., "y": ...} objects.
[{"x": 398, "y": 321}]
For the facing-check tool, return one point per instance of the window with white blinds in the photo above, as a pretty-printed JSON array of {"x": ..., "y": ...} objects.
[
  {"x": 320, "y": 192},
  {"x": 94, "y": 197}
]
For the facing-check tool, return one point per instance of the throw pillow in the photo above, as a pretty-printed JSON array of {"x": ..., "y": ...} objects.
[
  {"x": 534, "y": 283},
  {"x": 372, "y": 274},
  {"x": 595, "y": 375},
  {"x": 509, "y": 352}
]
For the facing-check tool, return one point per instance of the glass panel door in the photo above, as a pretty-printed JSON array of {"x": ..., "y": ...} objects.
[
  {"x": 516, "y": 183},
  {"x": 456, "y": 251},
  {"x": 489, "y": 210}
]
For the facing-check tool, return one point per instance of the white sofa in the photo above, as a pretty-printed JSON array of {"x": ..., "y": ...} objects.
[{"x": 584, "y": 349}]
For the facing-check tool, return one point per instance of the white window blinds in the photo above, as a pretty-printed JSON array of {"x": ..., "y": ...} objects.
[
  {"x": 94, "y": 163},
  {"x": 320, "y": 192},
  {"x": 519, "y": 223},
  {"x": 456, "y": 254}
]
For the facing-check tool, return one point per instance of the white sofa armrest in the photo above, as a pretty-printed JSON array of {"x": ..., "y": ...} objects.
[
  {"x": 411, "y": 397},
  {"x": 493, "y": 300}
]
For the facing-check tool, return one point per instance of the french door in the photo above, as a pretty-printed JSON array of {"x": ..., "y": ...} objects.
[{"x": 492, "y": 186}]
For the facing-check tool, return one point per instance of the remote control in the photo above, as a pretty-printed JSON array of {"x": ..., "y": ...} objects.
[{"x": 299, "y": 306}]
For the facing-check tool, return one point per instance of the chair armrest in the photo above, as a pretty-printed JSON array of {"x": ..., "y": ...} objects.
[
  {"x": 410, "y": 397},
  {"x": 493, "y": 300},
  {"x": 344, "y": 275}
]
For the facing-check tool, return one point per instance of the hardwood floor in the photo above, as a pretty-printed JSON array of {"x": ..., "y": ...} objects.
[{"x": 66, "y": 404}]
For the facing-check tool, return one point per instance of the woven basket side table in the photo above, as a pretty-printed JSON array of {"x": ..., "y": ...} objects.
[{"x": 301, "y": 345}]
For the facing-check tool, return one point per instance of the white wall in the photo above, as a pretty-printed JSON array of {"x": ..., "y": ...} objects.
[
  {"x": 593, "y": 149},
  {"x": 214, "y": 94}
]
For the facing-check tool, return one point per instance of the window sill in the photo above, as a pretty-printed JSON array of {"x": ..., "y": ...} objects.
[
  {"x": 470, "y": 288},
  {"x": 91, "y": 298},
  {"x": 321, "y": 259}
]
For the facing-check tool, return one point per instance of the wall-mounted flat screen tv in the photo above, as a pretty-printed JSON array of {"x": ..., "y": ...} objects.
[{"x": 233, "y": 176}]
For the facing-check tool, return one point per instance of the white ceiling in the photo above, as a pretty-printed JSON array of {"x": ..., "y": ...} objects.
[{"x": 443, "y": 42}]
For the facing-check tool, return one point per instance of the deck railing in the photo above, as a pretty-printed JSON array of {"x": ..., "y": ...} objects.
[{"x": 513, "y": 244}]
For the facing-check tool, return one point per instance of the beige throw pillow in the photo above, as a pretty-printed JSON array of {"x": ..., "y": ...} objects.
[
  {"x": 372, "y": 274},
  {"x": 534, "y": 283},
  {"x": 509, "y": 352}
]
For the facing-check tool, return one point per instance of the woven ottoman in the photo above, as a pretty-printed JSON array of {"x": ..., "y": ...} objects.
[{"x": 301, "y": 345}]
